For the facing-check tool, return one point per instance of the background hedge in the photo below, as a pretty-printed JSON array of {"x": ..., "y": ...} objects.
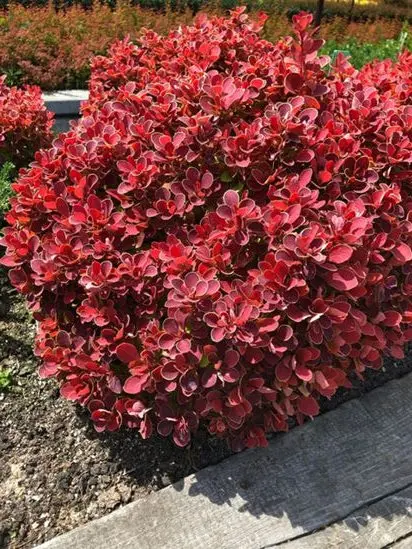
[{"x": 359, "y": 12}]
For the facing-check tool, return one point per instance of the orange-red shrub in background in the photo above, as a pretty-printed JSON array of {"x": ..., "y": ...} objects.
[{"x": 53, "y": 50}]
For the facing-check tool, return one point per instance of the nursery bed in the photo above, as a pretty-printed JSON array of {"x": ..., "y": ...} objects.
[{"x": 56, "y": 472}]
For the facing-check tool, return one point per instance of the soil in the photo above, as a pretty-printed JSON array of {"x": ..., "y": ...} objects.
[{"x": 57, "y": 473}]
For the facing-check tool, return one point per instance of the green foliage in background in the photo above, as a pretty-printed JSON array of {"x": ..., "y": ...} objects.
[
  {"x": 7, "y": 171},
  {"x": 360, "y": 54}
]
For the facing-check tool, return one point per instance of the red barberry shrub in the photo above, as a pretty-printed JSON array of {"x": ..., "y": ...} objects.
[
  {"x": 224, "y": 237},
  {"x": 390, "y": 78},
  {"x": 25, "y": 124}
]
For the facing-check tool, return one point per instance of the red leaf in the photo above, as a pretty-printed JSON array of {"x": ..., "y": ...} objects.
[
  {"x": 392, "y": 318},
  {"x": 402, "y": 252},
  {"x": 164, "y": 428},
  {"x": 343, "y": 280},
  {"x": 320, "y": 378},
  {"x": 303, "y": 372},
  {"x": 167, "y": 341},
  {"x": 127, "y": 352},
  {"x": 397, "y": 352},
  {"x": 308, "y": 406},
  {"x": 283, "y": 372},
  {"x": 340, "y": 254},
  {"x": 293, "y": 82},
  {"x": 324, "y": 176},
  {"x": 267, "y": 325},
  {"x": 134, "y": 384}
]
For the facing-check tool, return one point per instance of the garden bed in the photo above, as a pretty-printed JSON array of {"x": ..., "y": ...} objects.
[{"x": 56, "y": 472}]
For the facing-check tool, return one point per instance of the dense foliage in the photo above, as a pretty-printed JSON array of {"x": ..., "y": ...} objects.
[
  {"x": 225, "y": 236},
  {"x": 53, "y": 49},
  {"x": 358, "y": 10},
  {"x": 25, "y": 126}
]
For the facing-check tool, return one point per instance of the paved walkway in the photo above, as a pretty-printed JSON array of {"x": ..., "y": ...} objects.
[
  {"x": 65, "y": 102},
  {"x": 65, "y": 105},
  {"x": 341, "y": 481}
]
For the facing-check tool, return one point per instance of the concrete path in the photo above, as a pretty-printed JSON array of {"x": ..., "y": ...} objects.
[
  {"x": 65, "y": 102},
  {"x": 341, "y": 481},
  {"x": 66, "y": 106}
]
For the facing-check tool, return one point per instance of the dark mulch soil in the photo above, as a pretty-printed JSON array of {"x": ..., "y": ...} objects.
[{"x": 56, "y": 472}]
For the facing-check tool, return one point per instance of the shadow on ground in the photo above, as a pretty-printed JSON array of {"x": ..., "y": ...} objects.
[{"x": 317, "y": 474}]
